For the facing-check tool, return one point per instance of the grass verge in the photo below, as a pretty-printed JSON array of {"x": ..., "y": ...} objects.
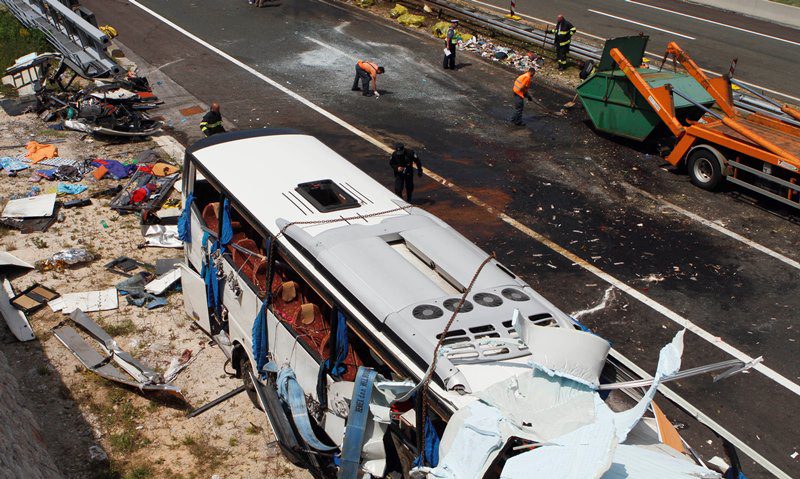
[{"x": 16, "y": 40}]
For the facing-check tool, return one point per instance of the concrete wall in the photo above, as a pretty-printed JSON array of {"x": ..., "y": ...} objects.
[
  {"x": 22, "y": 450},
  {"x": 762, "y": 9}
]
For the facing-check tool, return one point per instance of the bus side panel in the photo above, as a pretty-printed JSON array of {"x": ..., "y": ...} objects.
[
  {"x": 286, "y": 350},
  {"x": 242, "y": 311}
]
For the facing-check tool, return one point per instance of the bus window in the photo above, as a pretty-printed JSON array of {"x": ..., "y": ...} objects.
[
  {"x": 208, "y": 201},
  {"x": 248, "y": 253},
  {"x": 296, "y": 303}
]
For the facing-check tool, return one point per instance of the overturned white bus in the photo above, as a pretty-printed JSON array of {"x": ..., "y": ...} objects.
[{"x": 379, "y": 341}]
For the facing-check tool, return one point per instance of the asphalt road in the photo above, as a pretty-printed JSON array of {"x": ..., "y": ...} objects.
[
  {"x": 768, "y": 53},
  {"x": 554, "y": 178}
]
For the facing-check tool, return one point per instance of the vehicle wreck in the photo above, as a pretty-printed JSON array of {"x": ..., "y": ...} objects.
[{"x": 379, "y": 340}]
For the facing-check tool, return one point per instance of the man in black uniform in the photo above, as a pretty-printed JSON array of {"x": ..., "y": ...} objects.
[
  {"x": 563, "y": 33},
  {"x": 402, "y": 164},
  {"x": 212, "y": 121}
]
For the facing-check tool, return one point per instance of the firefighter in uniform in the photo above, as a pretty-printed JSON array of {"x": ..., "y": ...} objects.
[
  {"x": 521, "y": 86},
  {"x": 402, "y": 164},
  {"x": 212, "y": 121},
  {"x": 563, "y": 33},
  {"x": 366, "y": 72},
  {"x": 450, "y": 42}
]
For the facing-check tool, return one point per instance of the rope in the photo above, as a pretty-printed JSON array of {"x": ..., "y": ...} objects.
[{"x": 427, "y": 379}]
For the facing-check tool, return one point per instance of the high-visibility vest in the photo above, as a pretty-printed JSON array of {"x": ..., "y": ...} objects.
[
  {"x": 522, "y": 83},
  {"x": 369, "y": 67}
]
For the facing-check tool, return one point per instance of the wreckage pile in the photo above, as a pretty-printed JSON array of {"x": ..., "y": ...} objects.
[
  {"x": 141, "y": 185},
  {"x": 112, "y": 107}
]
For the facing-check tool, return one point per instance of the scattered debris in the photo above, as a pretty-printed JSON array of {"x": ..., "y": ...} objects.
[
  {"x": 16, "y": 320},
  {"x": 33, "y": 298},
  {"x": 162, "y": 236},
  {"x": 144, "y": 192},
  {"x": 87, "y": 301},
  {"x": 122, "y": 265},
  {"x": 144, "y": 378},
  {"x": 65, "y": 258},
  {"x": 32, "y": 207},
  {"x": 8, "y": 259},
  {"x": 176, "y": 365},
  {"x": 163, "y": 282}
]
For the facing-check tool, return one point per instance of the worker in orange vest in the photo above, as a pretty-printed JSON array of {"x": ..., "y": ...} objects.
[
  {"x": 521, "y": 86},
  {"x": 366, "y": 71}
]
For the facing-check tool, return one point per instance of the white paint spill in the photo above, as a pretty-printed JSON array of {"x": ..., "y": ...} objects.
[{"x": 608, "y": 296}]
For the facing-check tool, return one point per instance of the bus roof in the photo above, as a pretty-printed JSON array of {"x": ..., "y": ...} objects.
[{"x": 263, "y": 172}]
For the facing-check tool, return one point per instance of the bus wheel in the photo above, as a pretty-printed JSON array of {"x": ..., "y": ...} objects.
[
  {"x": 705, "y": 167},
  {"x": 245, "y": 368}
]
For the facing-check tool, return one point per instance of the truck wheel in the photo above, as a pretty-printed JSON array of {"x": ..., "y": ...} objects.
[
  {"x": 705, "y": 169},
  {"x": 245, "y": 368}
]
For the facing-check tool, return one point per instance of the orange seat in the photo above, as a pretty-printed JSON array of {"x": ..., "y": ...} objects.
[
  {"x": 210, "y": 215},
  {"x": 251, "y": 265},
  {"x": 307, "y": 320}
]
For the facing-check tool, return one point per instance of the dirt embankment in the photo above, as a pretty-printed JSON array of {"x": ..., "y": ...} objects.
[{"x": 22, "y": 449}]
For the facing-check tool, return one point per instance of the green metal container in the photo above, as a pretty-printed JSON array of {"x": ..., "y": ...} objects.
[{"x": 615, "y": 106}]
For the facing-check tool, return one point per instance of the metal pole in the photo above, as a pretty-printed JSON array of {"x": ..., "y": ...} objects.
[{"x": 219, "y": 400}]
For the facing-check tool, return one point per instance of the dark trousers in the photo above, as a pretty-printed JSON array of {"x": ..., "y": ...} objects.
[
  {"x": 561, "y": 55},
  {"x": 450, "y": 60},
  {"x": 364, "y": 77},
  {"x": 404, "y": 180},
  {"x": 519, "y": 104}
]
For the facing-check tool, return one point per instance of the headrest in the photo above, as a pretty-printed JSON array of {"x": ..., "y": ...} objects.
[
  {"x": 288, "y": 291},
  {"x": 308, "y": 313}
]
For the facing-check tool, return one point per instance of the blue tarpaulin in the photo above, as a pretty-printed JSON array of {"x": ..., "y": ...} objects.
[{"x": 185, "y": 220}]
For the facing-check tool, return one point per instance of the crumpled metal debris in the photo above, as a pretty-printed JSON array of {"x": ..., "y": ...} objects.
[{"x": 138, "y": 375}]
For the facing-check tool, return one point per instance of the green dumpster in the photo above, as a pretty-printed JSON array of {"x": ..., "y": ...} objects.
[{"x": 615, "y": 106}]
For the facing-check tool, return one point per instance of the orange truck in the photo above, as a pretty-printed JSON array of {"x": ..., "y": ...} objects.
[{"x": 709, "y": 136}]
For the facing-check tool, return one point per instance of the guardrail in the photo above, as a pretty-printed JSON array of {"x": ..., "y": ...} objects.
[
  {"x": 578, "y": 50},
  {"x": 82, "y": 44}
]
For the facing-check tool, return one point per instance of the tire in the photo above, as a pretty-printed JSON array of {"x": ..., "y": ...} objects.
[
  {"x": 587, "y": 70},
  {"x": 705, "y": 168},
  {"x": 245, "y": 368}
]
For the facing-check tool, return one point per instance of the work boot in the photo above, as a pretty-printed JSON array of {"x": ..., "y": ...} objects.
[
  {"x": 367, "y": 93},
  {"x": 355, "y": 88}
]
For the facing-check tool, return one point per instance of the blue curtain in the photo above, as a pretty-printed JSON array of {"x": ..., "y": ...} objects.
[
  {"x": 209, "y": 274},
  {"x": 260, "y": 339},
  {"x": 340, "y": 347},
  {"x": 185, "y": 220},
  {"x": 430, "y": 446},
  {"x": 226, "y": 233}
]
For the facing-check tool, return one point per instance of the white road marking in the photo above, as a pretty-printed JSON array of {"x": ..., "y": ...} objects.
[
  {"x": 763, "y": 369},
  {"x": 759, "y": 87},
  {"x": 714, "y": 23},
  {"x": 680, "y": 320},
  {"x": 641, "y": 24},
  {"x": 716, "y": 227},
  {"x": 546, "y": 22}
]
